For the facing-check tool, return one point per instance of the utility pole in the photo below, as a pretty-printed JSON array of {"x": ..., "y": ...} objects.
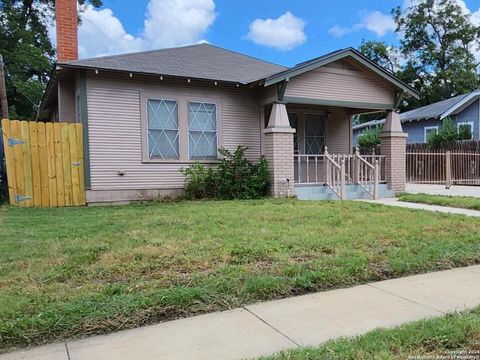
[{"x": 3, "y": 91}]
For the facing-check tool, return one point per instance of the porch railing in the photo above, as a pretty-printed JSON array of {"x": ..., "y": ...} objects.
[
  {"x": 335, "y": 175},
  {"x": 367, "y": 175},
  {"x": 359, "y": 169}
]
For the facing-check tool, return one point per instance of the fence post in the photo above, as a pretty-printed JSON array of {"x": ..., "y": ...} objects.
[
  {"x": 376, "y": 180},
  {"x": 342, "y": 180},
  {"x": 448, "y": 170}
]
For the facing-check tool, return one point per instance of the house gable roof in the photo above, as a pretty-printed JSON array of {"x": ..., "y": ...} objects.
[
  {"x": 335, "y": 56},
  {"x": 438, "y": 110},
  {"x": 201, "y": 61}
]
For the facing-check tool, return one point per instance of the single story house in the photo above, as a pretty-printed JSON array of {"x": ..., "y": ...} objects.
[
  {"x": 464, "y": 110},
  {"x": 147, "y": 115}
]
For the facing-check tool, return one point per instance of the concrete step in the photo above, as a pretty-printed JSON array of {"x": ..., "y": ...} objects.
[{"x": 353, "y": 192}]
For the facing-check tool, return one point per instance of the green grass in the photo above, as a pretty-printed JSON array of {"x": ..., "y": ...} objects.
[
  {"x": 440, "y": 338},
  {"x": 80, "y": 271},
  {"x": 464, "y": 202}
]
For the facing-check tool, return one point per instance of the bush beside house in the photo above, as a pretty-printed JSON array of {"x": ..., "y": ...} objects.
[{"x": 234, "y": 178}]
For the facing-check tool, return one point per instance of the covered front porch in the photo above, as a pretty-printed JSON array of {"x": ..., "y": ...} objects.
[
  {"x": 324, "y": 165},
  {"x": 307, "y": 126}
]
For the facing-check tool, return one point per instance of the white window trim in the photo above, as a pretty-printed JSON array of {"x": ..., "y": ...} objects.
[
  {"x": 426, "y": 128},
  {"x": 205, "y": 101},
  {"x": 466, "y": 123}
]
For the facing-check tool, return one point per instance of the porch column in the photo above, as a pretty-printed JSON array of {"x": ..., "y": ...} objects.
[
  {"x": 393, "y": 146},
  {"x": 279, "y": 152}
]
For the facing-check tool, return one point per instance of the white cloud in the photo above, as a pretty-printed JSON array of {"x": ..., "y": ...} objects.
[
  {"x": 378, "y": 23},
  {"x": 101, "y": 33},
  {"x": 167, "y": 23},
  {"x": 284, "y": 33},
  {"x": 178, "y": 22},
  {"x": 374, "y": 21}
]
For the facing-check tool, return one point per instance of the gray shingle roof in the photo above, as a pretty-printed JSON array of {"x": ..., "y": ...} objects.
[
  {"x": 431, "y": 111},
  {"x": 202, "y": 61}
]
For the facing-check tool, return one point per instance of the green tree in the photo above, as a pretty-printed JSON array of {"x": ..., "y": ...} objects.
[
  {"x": 438, "y": 39},
  {"x": 27, "y": 51},
  {"x": 369, "y": 139},
  {"x": 381, "y": 53},
  {"x": 448, "y": 133}
]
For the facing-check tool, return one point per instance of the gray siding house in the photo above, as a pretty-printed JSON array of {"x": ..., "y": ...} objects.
[{"x": 464, "y": 110}]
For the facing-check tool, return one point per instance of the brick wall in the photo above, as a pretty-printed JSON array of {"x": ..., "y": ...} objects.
[
  {"x": 67, "y": 37},
  {"x": 394, "y": 148},
  {"x": 279, "y": 154}
]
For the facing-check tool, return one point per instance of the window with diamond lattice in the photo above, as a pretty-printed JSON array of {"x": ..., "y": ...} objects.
[
  {"x": 162, "y": 117},
  {"x": 314, "y": 134},
  {"x": 202, "y": 130}
]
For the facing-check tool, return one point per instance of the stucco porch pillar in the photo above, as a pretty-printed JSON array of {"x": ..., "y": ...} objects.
[
  {"x": 393, "y": 142},
  {"x": 279, "y": 152}
]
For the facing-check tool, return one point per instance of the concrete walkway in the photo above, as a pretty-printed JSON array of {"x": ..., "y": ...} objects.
[
  {"x": 473, "y": 191},
  {"x": 272, "y": 326},
  {"x": 435, "y": 208}
]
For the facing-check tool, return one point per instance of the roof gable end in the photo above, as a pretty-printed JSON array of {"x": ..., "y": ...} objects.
[{"x": 336, "y": 56}]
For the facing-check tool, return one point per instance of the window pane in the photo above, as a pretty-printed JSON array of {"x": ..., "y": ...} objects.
[
  {"x": 162, "y": 117},
  {"x": 202, "y": 116},
  {"x": 203, "y": 145},
  {"x": 202, "y": 126},
  {"x": 314, "y": 134}
]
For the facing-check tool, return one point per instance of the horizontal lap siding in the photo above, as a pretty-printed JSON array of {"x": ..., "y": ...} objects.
[
  {"x": 115, "y": 137},
  {"x": 329, "y": 83},
  {"x": 338, "y": 132}
]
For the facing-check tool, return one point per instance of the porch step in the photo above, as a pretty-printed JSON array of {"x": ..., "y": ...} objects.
[{"x": 320, "y": 192}]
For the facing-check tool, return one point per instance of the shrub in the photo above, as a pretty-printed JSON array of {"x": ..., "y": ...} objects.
[
  {"x": 448, "y": 133},
  {"x": 369, "y": 139},
  {"x": 234, "y": 178}
]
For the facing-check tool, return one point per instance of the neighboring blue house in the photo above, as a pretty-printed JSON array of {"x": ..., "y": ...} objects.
[{"x": 464, "y": 110}]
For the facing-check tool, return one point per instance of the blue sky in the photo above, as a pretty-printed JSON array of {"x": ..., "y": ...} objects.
[{"x": 297, "y": 30}]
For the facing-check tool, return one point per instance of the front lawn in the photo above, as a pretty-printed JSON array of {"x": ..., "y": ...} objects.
[
  {"x": 79, "y": 271},
  {"x": 455, "y": 336},
  {"x": 464, "y": 202}
]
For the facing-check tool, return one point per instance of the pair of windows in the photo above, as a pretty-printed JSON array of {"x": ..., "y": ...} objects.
[{"x": 164, "y": 133}]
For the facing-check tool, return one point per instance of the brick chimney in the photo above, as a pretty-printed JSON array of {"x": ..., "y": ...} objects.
[{"x": 67, "y": 36}]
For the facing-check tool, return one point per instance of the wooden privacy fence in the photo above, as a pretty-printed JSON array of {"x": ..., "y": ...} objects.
[
  {"x": 44, "y": 163},
  {"x": 449, "y": 168}
]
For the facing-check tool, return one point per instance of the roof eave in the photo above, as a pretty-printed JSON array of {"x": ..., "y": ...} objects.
[
  {"x": 466, "y": 100},
  {"x": 338, "y": 56},
  {"x": 143, "y": 73},
  {"x": 48, "y": 90}
]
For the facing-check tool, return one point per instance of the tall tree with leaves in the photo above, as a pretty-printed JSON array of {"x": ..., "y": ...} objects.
[
  {"x": 382, "y": 54},
  {"x": 27, "y": 51},
  {"x": 435, "y": 56},
  {"x": 438, "y": 40}
]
